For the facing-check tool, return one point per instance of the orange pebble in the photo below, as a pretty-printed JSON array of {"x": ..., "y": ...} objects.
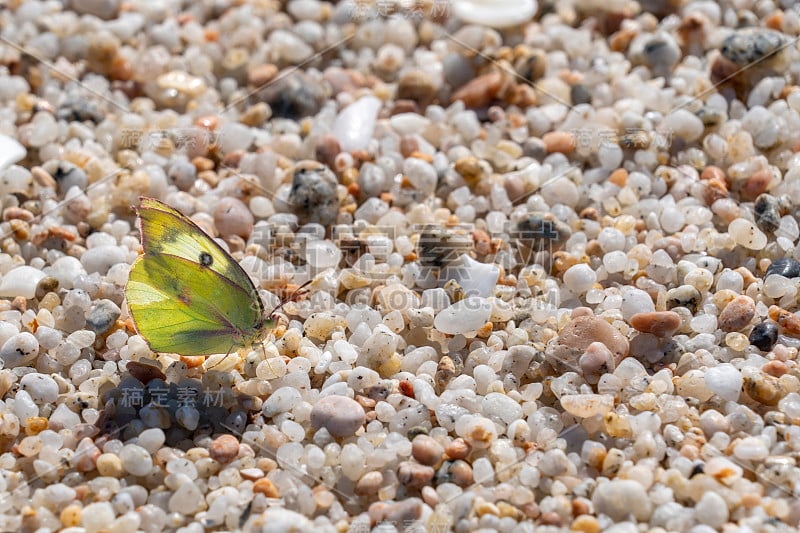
[{"x": 786, "y": 320}]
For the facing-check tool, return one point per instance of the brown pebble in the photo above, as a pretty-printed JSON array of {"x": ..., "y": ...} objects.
[
  {"x": 559, "y": 141},
  {"x": 414, "y": 475},
  {"x": 369, "y": 483},
  {"x": 266, "y": 487},
  {"x": 327, "y": 149},
  {"x": 458, "y": 448},
  {"x": 17, "y": 213},
  {"x": 233, "y": 217},
  {"x": 404, "y": 511},
  {"x": 145, "y": 371},
  {"x": 461, "y": 473},
  {"x": 765, "y": 389},
  {"x": 550, "y": 518},
  {"x": 261, "y": 75},
  {"x": 659, "y": 323},
  {"x": 756, "y": 184},
  {"x": 408, "y": 145},
  {"x": 224, "y": 449},
  {"x": 737, "y": 314},
  {"x": 775, "y": 368},
  {"x": 417, "y": 86},
  {"x": 481, "y": 91},
  {"x": 404, "y": 106},
  {"x": 580, "y": 332},
  {"x": 790, "y": 322},
  {"x": 427, "y": 450}
]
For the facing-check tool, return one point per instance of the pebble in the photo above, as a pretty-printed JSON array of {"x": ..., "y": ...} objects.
[
  {"x": 784, "y": 266},
  {"x": 737, "y": 314},
  {"x": 582, "y": 331},
  {"x": 621, "y": 498},
  {"x": 12, "y": 151},
  {"x": 587, "y": 405},
  {"x": 426, "y": 450},
  {"x": 497, "y": 14},
  {"x": 354, "y": 125},
  {"x": 414, "y": 475},
  {"x": 21, "y": 281},
  {"x": 711, "y": 510},
  {"x": 659, "y": 323},
  {"x": 224, "y": 449},
  {"x": 746, "y": 46},
  {"x": 313, "y": 196},
  {"x": 232, "y": 217},
  {"x": 747, "y": 234},
  {"x": 102, "y": 316},
  {"x": 340, "y": 415},
  {"x": 724, "y": 380},
  {"x": 136, "y": 460},
  {"x": 764, "y": 336},
  {"x": 469, "y": 314}
]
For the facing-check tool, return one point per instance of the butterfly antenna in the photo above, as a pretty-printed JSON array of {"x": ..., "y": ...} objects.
[{"x": 292, "y": 297}]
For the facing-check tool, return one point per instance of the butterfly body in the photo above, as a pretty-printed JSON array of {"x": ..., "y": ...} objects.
[{"x": 186, "y": 294}]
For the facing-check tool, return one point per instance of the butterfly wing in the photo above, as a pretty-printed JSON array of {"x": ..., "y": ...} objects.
[
  {"x": 166, "y": 231},
  {"x": 180, "y": 306}
]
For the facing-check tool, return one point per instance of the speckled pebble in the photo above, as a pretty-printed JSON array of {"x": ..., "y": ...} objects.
[{"x": 340, "y": 415}]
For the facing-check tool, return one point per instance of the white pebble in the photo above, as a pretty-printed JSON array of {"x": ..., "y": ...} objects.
[
  {"x": 469, "y": 314},
  {"x": 21, "y": 281},
  {"x": 580, "y": 278},
  {"x": 747, "y": 234}
]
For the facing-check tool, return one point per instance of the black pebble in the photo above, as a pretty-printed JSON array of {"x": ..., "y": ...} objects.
[
  {"x": 764, "y": 336},
  {"x": 785, "y": 266}
]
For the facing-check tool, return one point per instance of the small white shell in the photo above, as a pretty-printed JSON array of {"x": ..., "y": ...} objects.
[{"x": 495, "y": 13}]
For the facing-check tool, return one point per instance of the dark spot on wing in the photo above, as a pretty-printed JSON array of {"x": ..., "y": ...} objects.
[
  {"x": 206, "y": 259},
  {"x": 185, "y": 296}
]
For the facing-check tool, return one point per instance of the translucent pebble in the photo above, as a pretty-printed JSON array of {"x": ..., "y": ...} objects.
[
  {"x": 580, "y": 278},
  {"x": 747, "y": 234},
  {"x": 102, "y": 258},
  {"x": 19, "y": 350},
  {"x": 136, "y": 460},
  {"x": 151, "y": 439},
  {"x": 711, "y": 510},
  {"x": 354, "y": 125},
  {"x": 775, "y": 286},
  {"x": 24, "y": 406},
  {"x": 635, "y": 301},
  {"x": 615, "y": 261},
  {"x": 352, "y": 460},
  {"x": 21, "y": 281},
  {"x": 672, "y": 220},
  {"x": 501, "y": 407},
  {"x": 586, "y": 405},
  {"x": 42, "y": 388},
  {"x": 48, "y": 337},
  {"x": 188, "y": 417},
  {"x": 64, "y": 417},
  {"x": 469, "y": 314},
  {"x": 611, "y": 239},
  {"x": 81, "y": 339},
  {"x": 703, "y": 323},
  {"x": 97, "y": 517},
  {"x": 282, "y": 400},
  {"x": 751, "y": 449}
]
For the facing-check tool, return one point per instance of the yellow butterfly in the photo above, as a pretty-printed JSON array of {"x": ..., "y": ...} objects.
[{"x": 186, "y": 294}]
